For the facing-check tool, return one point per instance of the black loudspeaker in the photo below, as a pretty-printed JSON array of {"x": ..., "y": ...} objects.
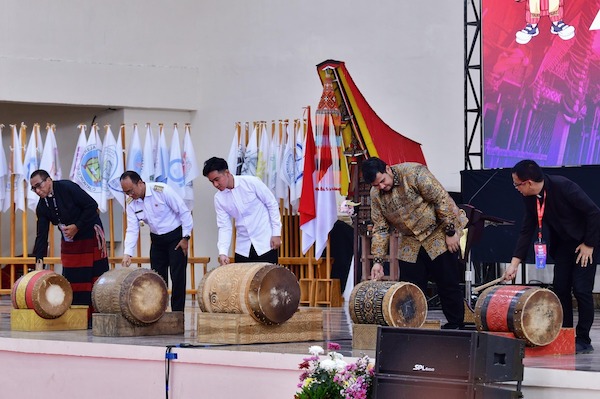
[
  {"x": 403, "y": 388},
  {"x": 450, "y": 355}
]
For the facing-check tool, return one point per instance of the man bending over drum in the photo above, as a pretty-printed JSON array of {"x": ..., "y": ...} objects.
[
  {"x": 573, "y": 221},
  {"x": 409, "y": 198},
  {"x": 82, "y": 247},
  {"x": 171, "y": 224},
  {"x": 255, "y": 210}
]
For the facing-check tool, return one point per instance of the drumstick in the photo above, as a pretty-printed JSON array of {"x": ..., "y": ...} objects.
[{"x": 484, "y": 286}]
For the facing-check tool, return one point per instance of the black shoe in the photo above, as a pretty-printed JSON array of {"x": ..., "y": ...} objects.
[
  {"x": 581, "y": 348},
  {"x": 452, "y": 326}
]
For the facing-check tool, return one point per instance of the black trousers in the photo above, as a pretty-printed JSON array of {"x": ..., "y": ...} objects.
[
  {"x": 570, "y": 277},
  {"x": 164, "y": 255},
  {"x": 269, "y": 256},
  {"x": 444, "y": 271}
]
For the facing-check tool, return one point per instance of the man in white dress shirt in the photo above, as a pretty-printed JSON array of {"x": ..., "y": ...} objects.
[
  {"x": 170, "y": 222},
  {"x": 255, "y": 210}
]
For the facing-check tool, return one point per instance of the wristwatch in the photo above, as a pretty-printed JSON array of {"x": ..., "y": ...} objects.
[
  {"x": 187, "y": 238},
  {"x": 449, "y": 229}
]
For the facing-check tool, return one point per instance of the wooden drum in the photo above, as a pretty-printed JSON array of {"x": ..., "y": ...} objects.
[
  {"x": 139, "y": 295},
  {"x": 45, "y": 291},
  {"x": 388, "y": 303},
  {"x": 530, "y": 313},
  {"x": 267, "y": 292}
]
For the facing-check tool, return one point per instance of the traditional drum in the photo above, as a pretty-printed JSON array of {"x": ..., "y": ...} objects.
[
  {"x": 388, "y": 303},
  {"x": 139, "y": 295},
  {"x": 46, "y": 292},
  {"x": 269, "y": 293},
  {"x": 530, "y": 313}
]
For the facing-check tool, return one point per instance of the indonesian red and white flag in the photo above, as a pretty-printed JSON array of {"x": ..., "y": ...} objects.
[
  {"x": 308, "y": 205},
  {"x": 327, "y": 182}
]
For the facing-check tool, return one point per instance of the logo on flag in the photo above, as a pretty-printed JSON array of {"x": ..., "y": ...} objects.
[{"x": 89, "y": 171}]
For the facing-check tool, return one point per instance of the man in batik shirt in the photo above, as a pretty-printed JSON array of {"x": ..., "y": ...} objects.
[{"x": 408, "y": 197}]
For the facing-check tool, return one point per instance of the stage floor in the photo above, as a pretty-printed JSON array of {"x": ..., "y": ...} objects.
[{"x": 336, "y": 328}]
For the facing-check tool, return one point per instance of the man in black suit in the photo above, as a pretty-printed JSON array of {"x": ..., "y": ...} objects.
[{"x": 573, "y": 221}]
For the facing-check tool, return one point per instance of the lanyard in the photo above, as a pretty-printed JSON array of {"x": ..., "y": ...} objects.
[
  {"x": 55, "y": 207},
  {"x": 541, "y": 206}
]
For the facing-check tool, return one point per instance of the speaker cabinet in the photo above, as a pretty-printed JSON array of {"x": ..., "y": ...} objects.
[
  {"x": 387, "y": 387},
  {"x": 450, "y": 355}
]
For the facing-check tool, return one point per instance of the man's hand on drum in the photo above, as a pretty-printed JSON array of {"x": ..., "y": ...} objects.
[
  {"x": 126, "y": 262},
  {"x": 223, "y": 259},
  {"x": 511, "y": 270},
  {"x": 377, "y": 272}
]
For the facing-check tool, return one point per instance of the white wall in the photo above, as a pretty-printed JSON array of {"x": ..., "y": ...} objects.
[{"x": 219, "y": 61}]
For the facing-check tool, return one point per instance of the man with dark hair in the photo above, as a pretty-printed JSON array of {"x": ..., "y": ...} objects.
[
  {"x": 170, "y": 222},
  {"x": 573, "y": 221},
  {"x": 408, "y": 197},
  {"x": 255, "y": 210},
  {"x": 82, "y": 247}
]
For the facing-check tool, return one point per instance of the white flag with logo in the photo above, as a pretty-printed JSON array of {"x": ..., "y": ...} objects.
[
  {"x": 148, "y": 156},
  {"x": 79, "y": 148},
  {"x": 112, "y": 169},
  {"x": 135, "y": 158},
  {"x": 251, "y": 155},
  {"x": 161, "y": 167},
  {"x": 16, "y": 168},
  {"x": 31, "y": 163},
  {"x": 190, "y": 168},
  {"x": 4, "y": 178},
  {"x": 274, "y": 162},
  {"x": 50, "y": 160},
  {"x": 176, "y": 179},
  {"x": 296, "y": 184},
  {"x": 89, "y": 173}
]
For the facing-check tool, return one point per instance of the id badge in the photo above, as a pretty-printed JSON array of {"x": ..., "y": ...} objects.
[{"x": 539, "y": 249}]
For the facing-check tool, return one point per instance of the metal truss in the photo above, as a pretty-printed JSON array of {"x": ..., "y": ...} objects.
[{"x": 473, "y": 86}]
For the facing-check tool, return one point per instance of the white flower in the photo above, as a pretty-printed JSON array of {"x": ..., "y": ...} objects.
[
  {"x": 336, "y": 356},
  {"x": 315, "y": 350},
  {"x": 328, "y": 365}
]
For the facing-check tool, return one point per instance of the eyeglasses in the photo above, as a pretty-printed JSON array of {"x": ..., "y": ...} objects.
[
  {"x": 519, "y": 184},
  {"x": 35, "y": 187}
]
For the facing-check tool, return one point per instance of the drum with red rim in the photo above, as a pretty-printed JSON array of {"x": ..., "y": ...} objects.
[
  {"x": 530, "y": 313},
  {"x": 45, "y": 291}
]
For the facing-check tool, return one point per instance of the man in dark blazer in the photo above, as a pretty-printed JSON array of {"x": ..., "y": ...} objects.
[{"x": 573, "y": 221}]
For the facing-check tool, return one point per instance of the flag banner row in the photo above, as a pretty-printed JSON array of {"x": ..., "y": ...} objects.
[
  {"x": 97, "y": 164},
  {"x": 301, "y": 167}
]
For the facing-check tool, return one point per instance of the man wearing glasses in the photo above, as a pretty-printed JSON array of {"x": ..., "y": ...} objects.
[
  {"x": 83, "y": 247},
  {"x": 170, "y": 222},
  {"x": 573, "y": 221}
]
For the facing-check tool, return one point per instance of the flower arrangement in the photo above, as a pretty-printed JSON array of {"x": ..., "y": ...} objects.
[
  {"x": 347, "y": 207},
  {"x": 334, "y": 378}
]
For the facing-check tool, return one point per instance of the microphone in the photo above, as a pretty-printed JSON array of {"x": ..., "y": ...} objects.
[{"x": 483, "y": 186}]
